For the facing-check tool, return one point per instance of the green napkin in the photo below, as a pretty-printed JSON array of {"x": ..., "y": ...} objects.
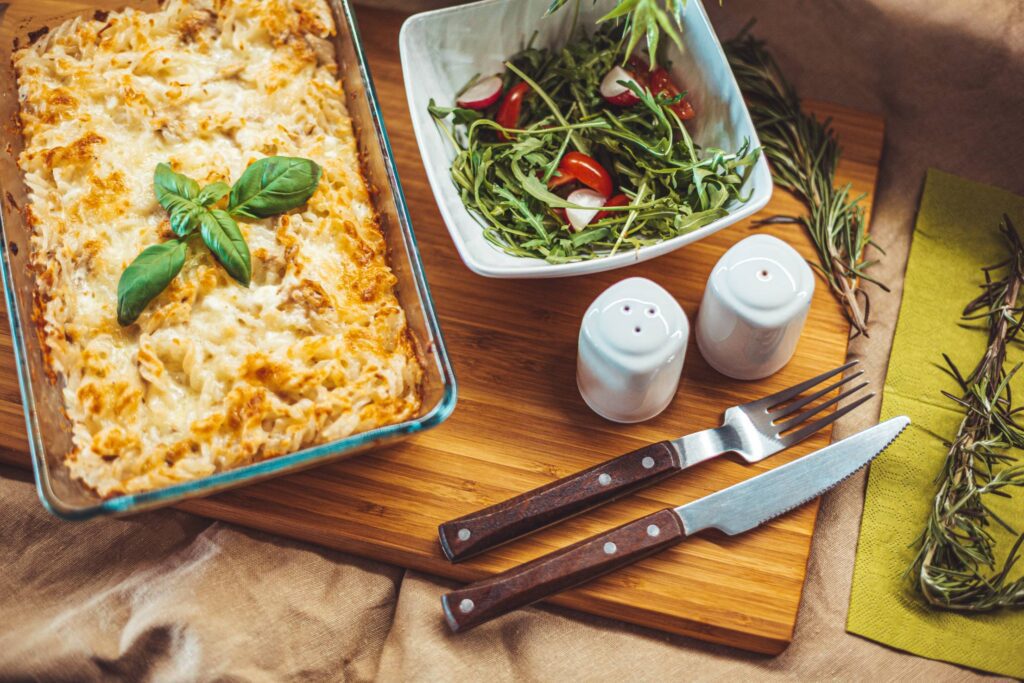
[{"x": 956, "y": 234}]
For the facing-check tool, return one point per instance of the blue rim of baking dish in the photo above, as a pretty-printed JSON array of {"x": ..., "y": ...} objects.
[{"x": 138, "y": 502}]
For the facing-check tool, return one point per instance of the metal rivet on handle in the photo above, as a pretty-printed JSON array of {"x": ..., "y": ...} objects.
[
  {"x": 604, "y": 479},
  {"x": 609, "y": 548},
  {"x": 466, "y": 606},
  {"x": 653, "y": 530},
  {"x": 647, "y": 462},
  {"x": 464, "y": 534}
]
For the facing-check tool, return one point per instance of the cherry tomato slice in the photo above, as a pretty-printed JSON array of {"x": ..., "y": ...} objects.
[
  {"x": 559, "y": 178},
  {"x": 684, "y": 110},
  {"x": 661, "y": 84},
  {"x": 587, "y": 171},
  {"x": 640, "y": 69},
  {"x": 617, "y": 200},
  {"x": 510, "y": 107}
]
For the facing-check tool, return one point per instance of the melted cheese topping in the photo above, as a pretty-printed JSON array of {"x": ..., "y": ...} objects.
[{"x": 213, "y": 375}]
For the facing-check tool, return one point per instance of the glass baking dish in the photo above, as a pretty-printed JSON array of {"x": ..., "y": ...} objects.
[{"x": 49, "y": 430}]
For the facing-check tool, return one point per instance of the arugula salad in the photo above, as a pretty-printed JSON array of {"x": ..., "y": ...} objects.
[{"x": 576, "y": 153}]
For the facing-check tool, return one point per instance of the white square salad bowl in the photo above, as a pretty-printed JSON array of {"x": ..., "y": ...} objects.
[{"x": 442, "y": 49}]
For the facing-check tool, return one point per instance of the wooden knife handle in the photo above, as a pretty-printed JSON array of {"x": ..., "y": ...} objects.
[
  {"x": 482, "y": 530},
  {"x": 562, "y": 569}
]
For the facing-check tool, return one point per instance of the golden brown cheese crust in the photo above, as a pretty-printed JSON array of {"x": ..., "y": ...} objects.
[{"x": 213, "y": 375}]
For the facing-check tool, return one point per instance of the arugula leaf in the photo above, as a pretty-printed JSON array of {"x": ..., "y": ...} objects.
[
  {"x": 582, "y": 238},
  {"x": 698, "y": 219},
  {"x": 274, "y": 185},
  {"x": 537, "y": 189},
  {"x": 222, "y": 235},
  {"x": 147, "y": 276},
  {"x": 524, "y": 147},
  {"x": 460, "y": 116}
]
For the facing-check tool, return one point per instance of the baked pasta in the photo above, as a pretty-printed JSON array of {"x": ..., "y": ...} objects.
[{"x": 213, "y": 374}]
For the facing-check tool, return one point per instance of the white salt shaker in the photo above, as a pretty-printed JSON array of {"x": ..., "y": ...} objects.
[
  {"x": 631, "y": 348},
  {"x": 754, "y": 308}
]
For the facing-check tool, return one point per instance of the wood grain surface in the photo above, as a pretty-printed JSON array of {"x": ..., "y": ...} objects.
[
  {"x": 573, "y": 565},
  {"x": 559, "y": 500},
  {"x": 520, "y": 423}
]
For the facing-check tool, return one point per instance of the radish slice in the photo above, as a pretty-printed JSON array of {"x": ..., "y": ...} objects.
[
  {"x": 579, "y": 218},
  {"x": 483, "y": 94},
  {"x": 616, "y": 93}
]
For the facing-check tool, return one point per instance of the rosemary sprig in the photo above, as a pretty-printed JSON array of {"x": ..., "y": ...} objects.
[
  {"x": 956, "y": 566},
  {"x": 804, "y": 152},
  {"x": 643, "y": 19},
  {"x": 673, "y": 187}
]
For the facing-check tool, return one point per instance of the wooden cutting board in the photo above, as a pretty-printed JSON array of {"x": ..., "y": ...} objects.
[{"x": 520, "y": 423}]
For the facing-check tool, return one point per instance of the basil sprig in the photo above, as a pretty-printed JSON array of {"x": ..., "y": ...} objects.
[
  {"x": 179, "y": 195},
  {"x": 268, "y": 187}
]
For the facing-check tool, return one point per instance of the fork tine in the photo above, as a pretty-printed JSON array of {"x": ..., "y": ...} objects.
[
  {"x": 797, "y": 405},
  {"x": 811, "y": 412},
  {"x": 786, "y": 394},
  {"x": 798, "y": 436}
]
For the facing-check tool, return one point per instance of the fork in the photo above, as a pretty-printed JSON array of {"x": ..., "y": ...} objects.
[{"x": 753, "y": 430}]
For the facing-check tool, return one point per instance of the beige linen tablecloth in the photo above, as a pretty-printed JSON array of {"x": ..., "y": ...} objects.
[{"x": 169, "y": 596}]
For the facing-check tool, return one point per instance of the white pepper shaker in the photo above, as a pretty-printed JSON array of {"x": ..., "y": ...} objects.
[
  {"x": 754, "y": 308},
  {"x": 631, "y": 348}
]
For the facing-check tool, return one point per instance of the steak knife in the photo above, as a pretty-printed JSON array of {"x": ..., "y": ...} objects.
[
  {"x": 734, "y": 510},
  {"x": 753, "y": 430}
]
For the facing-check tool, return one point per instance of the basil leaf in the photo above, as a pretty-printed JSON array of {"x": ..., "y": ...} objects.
[
  {"x": 273, "y": 185},
  {"x": 225, "y": 240},
  {"x": 147, "y": 276},
  {"x": 212, "y": 193},
  {"x": 178, "y": 193},
  {"x": 185, "y": 218},
  {"x": 167, "y": 182}
]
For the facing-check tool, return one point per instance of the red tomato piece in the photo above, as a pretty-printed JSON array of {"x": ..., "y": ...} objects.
[
  {"x": 587, "y": 171},
  {"x": 661, "y": 84},
  {"x": 617, "y": 200},
  {"x": 640, "y": 69},
  {"x": 559, "y": 178},
  {"x": 510, "y": 108}
]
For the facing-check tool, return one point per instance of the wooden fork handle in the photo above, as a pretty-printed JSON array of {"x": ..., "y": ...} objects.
[
  {"x": 561, "y": 570},
  {"x": 487, "y": 528}
]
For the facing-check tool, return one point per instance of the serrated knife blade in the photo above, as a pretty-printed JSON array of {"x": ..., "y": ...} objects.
[
  {"x": 733, "y": 510},
  {"x": 753, "y": 502}
]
